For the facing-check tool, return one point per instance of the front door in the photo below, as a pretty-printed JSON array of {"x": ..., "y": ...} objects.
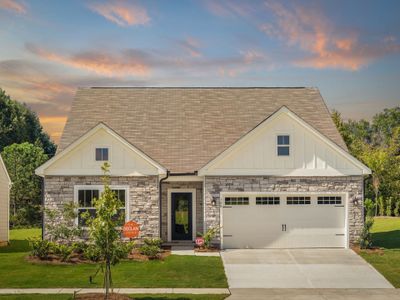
[{"x": 181, "y": 214}]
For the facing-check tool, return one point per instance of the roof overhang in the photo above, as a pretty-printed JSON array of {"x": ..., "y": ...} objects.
[{"x": 2, "y": 165}]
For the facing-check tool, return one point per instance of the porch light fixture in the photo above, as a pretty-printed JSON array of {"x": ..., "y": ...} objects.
[{"x": 213, "y": 202}]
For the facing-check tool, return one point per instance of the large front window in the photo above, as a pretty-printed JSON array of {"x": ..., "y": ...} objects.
[{"x": 85, "y": 201}]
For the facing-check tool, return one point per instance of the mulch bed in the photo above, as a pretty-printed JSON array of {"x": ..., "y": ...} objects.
[
  {"x": 136, "y": 256},
  {"x": 101, "y": 296},
  {"x": 212, "y": 249},
  {"x": 373, "y": 250}
]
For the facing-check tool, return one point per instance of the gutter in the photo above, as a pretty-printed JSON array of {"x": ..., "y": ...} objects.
[{"x": 160, "y": 201}]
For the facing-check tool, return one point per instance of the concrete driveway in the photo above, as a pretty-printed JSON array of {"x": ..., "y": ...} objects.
[{"x": 300, "y": 268}]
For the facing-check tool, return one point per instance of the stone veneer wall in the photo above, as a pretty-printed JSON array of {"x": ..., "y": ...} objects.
[
  {"x": 199, "y": 203},
  {"x": 143, "y": 197},
  {"x": 214, "y": 185}
]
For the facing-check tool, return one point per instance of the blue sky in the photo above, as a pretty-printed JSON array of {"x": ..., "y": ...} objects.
[{"x": 348, "y": 49}]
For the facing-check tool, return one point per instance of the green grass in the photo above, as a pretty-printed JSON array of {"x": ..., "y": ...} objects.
[
  {"x": 136, "y": 297},
  {"x": 386, "y": 234},
  {"x": 174, "y": 271}
]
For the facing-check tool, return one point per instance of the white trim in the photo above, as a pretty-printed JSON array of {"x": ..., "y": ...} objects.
[
  {"x": 251, "y": 195},
  {"x": 3, "y": 165},
  {"x": 190, "y": 178},
  {"x": 101, "y": 189},
  {"x": 102, "y": 146},
  {"x": 205, "y": 170},
  {"x": 169, "y": 215},
  {"x": 41, "y": 171},
  {"x": 283, "y": 145}
]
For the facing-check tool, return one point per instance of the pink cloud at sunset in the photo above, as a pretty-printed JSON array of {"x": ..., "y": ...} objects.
[
  {"x": 14, "y": 6},
  {"x": 122, "y": 13}
]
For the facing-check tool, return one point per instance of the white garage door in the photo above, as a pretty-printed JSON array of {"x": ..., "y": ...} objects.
[{"x": 283, "y": 221}]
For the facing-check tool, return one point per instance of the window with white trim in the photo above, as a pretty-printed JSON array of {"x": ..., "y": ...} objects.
[
  {"x": 298, "y": 200},
  {"x": 86, "y": 196},
  {"x": 236, "y": 200},
  {"x": 323, "y": 200},
  {"x": 267, "y": 201},
  {"x": 102, "y": 154},
  {"x": 283, "y": 145}
]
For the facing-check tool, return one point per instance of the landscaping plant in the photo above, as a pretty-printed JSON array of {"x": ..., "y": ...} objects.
[
  {"x": 369, "y": 207},
  {"x": 208, "y": 236},
  {"x": 40, "y": 248},
  {"x": 365, "y": 240}
]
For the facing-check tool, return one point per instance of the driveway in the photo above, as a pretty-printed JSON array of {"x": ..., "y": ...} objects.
[{"x": 300, "y": 268}]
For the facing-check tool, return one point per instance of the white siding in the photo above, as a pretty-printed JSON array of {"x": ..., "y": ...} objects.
[
  {"x": 4, "y": 203},
  {"x": 81, "y": 159},
  {"x": 309, "y": 154}
]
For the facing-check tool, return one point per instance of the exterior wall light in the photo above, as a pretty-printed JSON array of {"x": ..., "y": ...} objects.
[{"x": 213, "y": 202}]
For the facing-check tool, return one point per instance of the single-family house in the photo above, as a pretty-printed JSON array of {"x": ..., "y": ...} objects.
[
  {"x": 267, "y": 166},
  {"x": 5, "y": 185}
]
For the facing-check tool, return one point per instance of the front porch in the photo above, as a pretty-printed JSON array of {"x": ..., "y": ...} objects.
[{"x": 182, "y": 211}]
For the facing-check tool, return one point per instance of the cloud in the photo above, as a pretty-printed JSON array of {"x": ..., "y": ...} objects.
[
  {"x": 230, "y": 8},
  {"x": 324, "y": 45},
  {"x": 122, "y": 13},
  {"x": 191, "y": 46},
  {"x": 125, "y": 63},
  {"x": 14, "y": 6}
]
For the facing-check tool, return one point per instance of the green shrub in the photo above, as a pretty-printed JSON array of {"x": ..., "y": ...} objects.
[
  {"x": 369, "y": 207},
  {"x": 40, "y": 248},
  {"x": 92, "y": 253},
  {"x": 365, "y": 240},
  {"x": 153, "y": 242},
  {"x": 63, "y": 251},
  {"x": 389, "y": 204},
  {"x": 79, "y": 247},
  {"x": 123, "y": 249},
  {"x": 397, "y": 208},
  {"x": 150, "y": 251},
  {"x": 381, "y": 205}
]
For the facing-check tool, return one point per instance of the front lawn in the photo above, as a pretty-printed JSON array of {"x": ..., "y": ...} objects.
[
  {"x": 174, "y": 271},
  {"x": 386, "y": 234}
]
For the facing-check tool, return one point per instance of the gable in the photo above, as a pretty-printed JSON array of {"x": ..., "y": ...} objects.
[
  {"x": 311, "y": 154},
  {"x": 4, "y": 177},
  {"x": 79, "y": 158}
]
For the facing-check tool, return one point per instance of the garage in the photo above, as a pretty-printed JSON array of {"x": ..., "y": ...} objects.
[{"x": 283, "y": 220}]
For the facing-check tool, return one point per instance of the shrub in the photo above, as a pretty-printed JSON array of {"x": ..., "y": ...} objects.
[
  {"x": 381, "y": 205},
  {"x": 389, "y": 204},
  {"x": 63, "y": 250},
  {"x": 92, "y": 253},
  {"x": 208, "y": 236},
  {"x": 153, "y": 242},
  {"x": 369, "y": 207},
  {"x": 397, "y": 208},
  {"x": 40, "y": 248},
  {"x": 150, "y": 251},
  {"x": 79, "y": 247},
  {"x": 366, "y": 237}
]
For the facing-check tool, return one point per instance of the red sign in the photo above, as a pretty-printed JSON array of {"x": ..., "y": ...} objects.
[
  {"x": 131, "y": 230},
  {"x": 199, "y": 241}
]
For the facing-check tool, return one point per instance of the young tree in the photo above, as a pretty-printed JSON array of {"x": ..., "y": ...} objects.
[
  {"x": 21, "y": 161},
  {"x": 103, "y": 230}
]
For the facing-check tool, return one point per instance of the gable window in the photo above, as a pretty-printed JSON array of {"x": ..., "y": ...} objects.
[
  {"x": 283, "y": 145},
  {"x": 86, "y": 196},
  {"x": 101, "y": 154}
]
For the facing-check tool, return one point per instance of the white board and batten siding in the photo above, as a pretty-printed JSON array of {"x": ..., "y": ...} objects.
[
  {"x": 311, "y": 154},
  {"x": 5, "y": 184},
  {"x": 79, "y": 158}
]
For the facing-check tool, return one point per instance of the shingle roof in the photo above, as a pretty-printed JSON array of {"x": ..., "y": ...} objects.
[{"x": 184, "y": 128}]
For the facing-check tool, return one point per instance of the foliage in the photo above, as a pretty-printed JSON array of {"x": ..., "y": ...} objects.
[
  {"x": 365, "y": 240},
  {"x": 369, "y": 207},
  {"x": 381, "y": 203},
  {"x": 40, "y": 248},
  {"x": 21, "y": 161},
  {"x": 60, "y": 225},
  {"x": 19, "y": 124},
  {"x": 396, "y": 211},
  {"x": 63, "y": 250},
  {"x": 151, "y": 251},
  {"x": 104, "y": 234},
  {"x": 389, "y": 206},
  {"x": 208, "y": 236},
  {"x": 92, "y": 253},
  {"x": 153, "y": 242}
]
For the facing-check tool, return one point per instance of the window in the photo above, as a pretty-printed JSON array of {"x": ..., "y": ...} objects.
[
  {"x": 298, "y": 200},
  {"x": 330, "y": 200},
  {"x": 85, "y": 202},
  {"x": 237, "y": 201},
  {"x": 283, "y": 144},
  {"x": 267, "y": 201},
  {"x": 86, "y": 196},
  {"x": 101, "y": 154}
]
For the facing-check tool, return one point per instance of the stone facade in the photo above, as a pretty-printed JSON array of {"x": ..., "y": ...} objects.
[
  {"x": 143, "y": 197},
  {"x": 198, "y": 186},
  {"x": 353, "y": 185}
]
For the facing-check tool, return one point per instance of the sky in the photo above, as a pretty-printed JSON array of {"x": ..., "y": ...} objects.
[{"x": 350, "y": 50}]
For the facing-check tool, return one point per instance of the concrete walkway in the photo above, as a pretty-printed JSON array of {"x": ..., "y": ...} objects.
[
  {"x": 300, "y": 268},
  {"x": 117, "y": 290},
  {"x": 315, "y": 294}
]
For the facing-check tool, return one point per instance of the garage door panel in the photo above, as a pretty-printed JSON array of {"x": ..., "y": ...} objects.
[{"x": 305, "y": 226}]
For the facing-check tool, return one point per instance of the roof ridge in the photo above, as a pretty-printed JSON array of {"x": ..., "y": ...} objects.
[{"x": 198, "y": 87}]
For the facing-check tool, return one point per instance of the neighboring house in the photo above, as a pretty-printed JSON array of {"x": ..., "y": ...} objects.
[
  {"x": 266, "y": 165},
  {"x": 5, "y": 184}
]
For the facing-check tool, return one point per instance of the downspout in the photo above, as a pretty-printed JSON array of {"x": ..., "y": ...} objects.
[
  {"x": 42, "y": 182},
  {"x": 160, "y": 201}
]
